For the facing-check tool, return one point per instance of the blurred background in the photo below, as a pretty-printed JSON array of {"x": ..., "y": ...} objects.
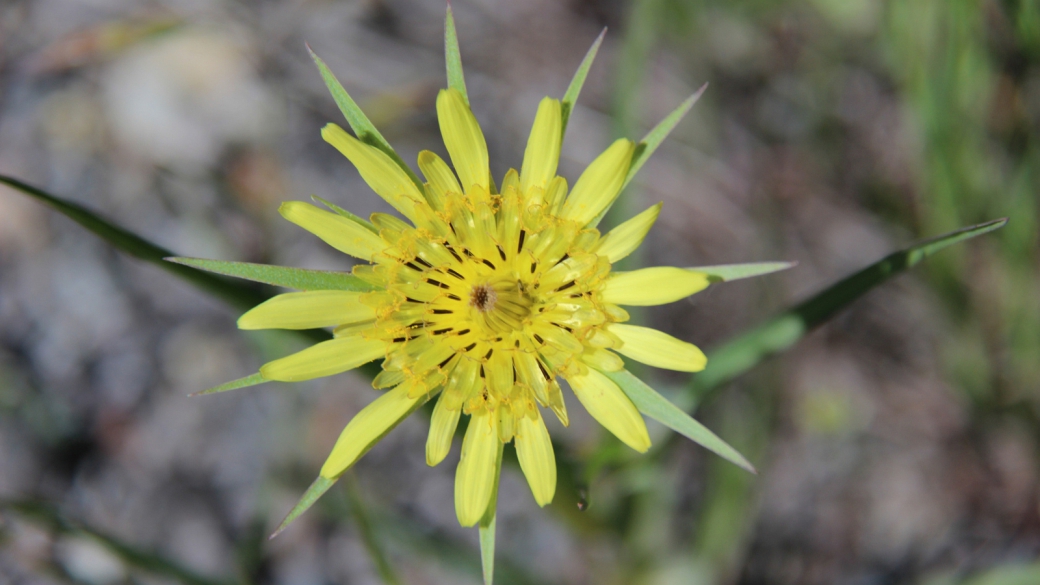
[{"x": 897, "y": 444}]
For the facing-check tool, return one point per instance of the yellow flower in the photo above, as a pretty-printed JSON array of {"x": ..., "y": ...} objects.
[{"x": 485, "y": 299}]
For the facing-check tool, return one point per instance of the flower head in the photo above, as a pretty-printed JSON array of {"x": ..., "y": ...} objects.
[{"x": 484, "y": 299}]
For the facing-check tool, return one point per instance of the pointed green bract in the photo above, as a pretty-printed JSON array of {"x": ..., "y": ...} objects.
[
  {"x": 728, "y": 272},
  {"x": 781, "y": 332},
  {"x": 452, "y": 56},
  {"x": 486, "y": 526},
  {"x": 315, "y": 491},
  {"x": 235, "y": 294},
  {"x": 574, "y": 89},
  {"x": 356, "y": 219},
  {"x": 363, "y": 128},
  {"x": 251, "y": 380},
  {"x": 655, "y": 137},
  {"x": 657, "y": 407},
  {"x": 297, "y": 278}
]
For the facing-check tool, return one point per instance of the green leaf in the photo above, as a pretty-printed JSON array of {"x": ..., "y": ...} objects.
[
  {"x": 486, "y": 527},
  {"x": 657, "y": 407},
  {"x": 284, "y": 276},
  {"x": 728, "y": 272},
  {"x": 781, "y": 332},
  {"x": 354, "y": 218},
  {"x": 236, "y": 294},
  {"x": 363, "y": 128},
  {"x": 571, "y": 96},
  {"x": 452, "y": 56},
  {"x": 251, "y": 380},
  {"x": 315, "y": 491},
  {"x": 655, "y": 137}
]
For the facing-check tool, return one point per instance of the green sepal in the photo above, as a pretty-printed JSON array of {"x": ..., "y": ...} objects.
[
  {"x": 728, "y": 272},
  {"x": 354, "y": 218},
  {"x": 315, "y": 491},
  {"x": 655, "y": 137},
  {"x": 486, "y": 526},
  {"x": 649, "y": 402},
  {"x": 363, "y": 128},
  {"x": 784, "y": 330},
  {"x": 453, "y": 57},
  {"x": 251, "y": 380},
  {"x": 571, "y": 96},
  {"x": 284, "y": 276}
]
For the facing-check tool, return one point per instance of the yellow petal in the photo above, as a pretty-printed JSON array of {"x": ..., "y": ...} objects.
[
  {"x": 307, "y": 310},
  {"x": 611, "y": 408},
  {"x": 335, "y": 230},
  {"x": 535, "y": 452},
  {"x": 475, "y": 475},
  {"x": 543, "y": 147},
  {"x": 324, "y": 359},
  {"x": 442, "y": 429},
  {"x": 658, "y": 349},
  {"x": 463, "y": 138},
  {"x": 380, "y": 171},
  {"x": 625, "y": 238},
  {"x": 367, "y": 427},
  {"x": 652, "y": 286},
  {"x": 599, "y": 185},
  {"x": 440, "y": 179}
]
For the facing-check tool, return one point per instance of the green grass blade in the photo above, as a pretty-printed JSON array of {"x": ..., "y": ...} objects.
[
  {"x": 284, "y": 276},
  {"x": 51, "y": 518},
  {"x": 728, "y": 272},
  {"x": 363, "y": 128},
  {"x": 657, "y": 407},
  {"x": 359, "y": 513},
  {"x": 486, "y": 526},
  {"x": 251, "y": 380},
  {"x": 315, "y": 491},
  {"x": 574, "y": 89},
  {"x": 784, "y": 330},
  {"x": 452, "y": 56},
  {"x": 237, "y": 294},
  {"x": 655, "y": 137},
  {"x": 354, "y": 218}
]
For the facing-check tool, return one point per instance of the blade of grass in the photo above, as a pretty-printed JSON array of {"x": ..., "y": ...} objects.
[
  {"x": 315, "y": 491},
  {"x": 363, "y": 128},
  {"x": 284, "y": 276},
  {"x": 652, "y": 404},
  {"x": 368, "y": 535},
  {"x": 236, "y": 294},
  {"x": 48, "y": 516},
  {"x": 452, "y": 56},
  {"x": 574, "y": 89},
  {"x": 781, "y": 332},
  {"x": 250, "y": 380},
  {"x": 655, "y": 137},
  {"x": 730, "y": 272}
]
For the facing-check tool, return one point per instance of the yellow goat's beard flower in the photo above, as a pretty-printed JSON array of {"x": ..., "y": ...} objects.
[{"x": 483, "y": 301}]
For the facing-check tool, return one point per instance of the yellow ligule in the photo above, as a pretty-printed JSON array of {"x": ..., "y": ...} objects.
[
  {"x": 653, "y": 286},
  {"x": 366, "y": 428},
  {"x": 658, "y": 349}
]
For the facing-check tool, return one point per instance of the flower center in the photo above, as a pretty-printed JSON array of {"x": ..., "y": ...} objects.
[
  {"x": 500, "y": 304},
  {"x": 483, "y": 298}
]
